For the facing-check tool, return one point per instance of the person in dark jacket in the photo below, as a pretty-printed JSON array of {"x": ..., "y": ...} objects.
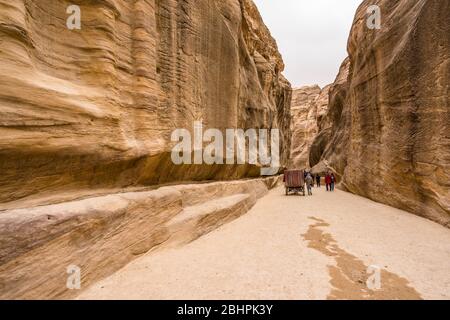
[
  {"x": 328, "y": 181},
  {"x": 318, "y": 180},
  {"x": 333, "y": 182}
]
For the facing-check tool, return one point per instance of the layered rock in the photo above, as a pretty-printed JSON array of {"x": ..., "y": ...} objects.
[
  {"x": 309, "y": 106},
  {"x": 94, "y": 109},
  {"x": 332, "y": 138},
  {"x": 390, "y": 138},
  {"x": 86, "y": 119},
  {"x": 39, "y": 246}
]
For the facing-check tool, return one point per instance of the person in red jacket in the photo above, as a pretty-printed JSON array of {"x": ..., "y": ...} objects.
[{"x": 328, "y": 181}]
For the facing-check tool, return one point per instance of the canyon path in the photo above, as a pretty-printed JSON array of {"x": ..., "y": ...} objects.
[{"x": 322, "y": 247}]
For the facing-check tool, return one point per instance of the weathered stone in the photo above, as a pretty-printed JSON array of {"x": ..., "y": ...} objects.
[
  {"x": 95, "y": 108},
  {"x": 309, "y": 106},
  {"x": 102, "y": 234},
  {"x": 86, "y": 118},
  {"x": 390, "y": 123},
  {"x": 332, "y": 138}
]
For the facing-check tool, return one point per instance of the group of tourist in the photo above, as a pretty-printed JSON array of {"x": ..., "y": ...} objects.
[{"x": 330, "y": 181}]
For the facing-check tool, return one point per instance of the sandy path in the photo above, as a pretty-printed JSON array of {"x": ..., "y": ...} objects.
[{"x": 297, "y": 248}]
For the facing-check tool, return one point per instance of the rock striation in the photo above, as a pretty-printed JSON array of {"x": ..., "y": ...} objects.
[
  {"x": 387, "y": 133},
  {"x": 332, "y": 138},
  {"x": 308, "y": 108},
  {"x": 95, "y": 108},
  {"x": 102, "y": 234},
  {"x": 86, "y": 123}
]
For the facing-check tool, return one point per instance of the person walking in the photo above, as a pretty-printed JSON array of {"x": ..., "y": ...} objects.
[
  {"x": 318, "y": 180},
  {"x": 328, "y": 181},
  {"x": 309, "y": 183},
  {"x": 333, "y": 182}
]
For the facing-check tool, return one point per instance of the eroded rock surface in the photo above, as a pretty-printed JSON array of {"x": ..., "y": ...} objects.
[
  {"x": 309, "y": 106},
  {"x": 95, "y": 108},
  {"x": 102, "y": 234},
  {"x": 390, "y": 121},
  {"x": 86, "y": 118},
  {"x": 332, "y": 138}
]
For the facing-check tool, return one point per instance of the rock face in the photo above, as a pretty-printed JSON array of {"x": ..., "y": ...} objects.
[
  {"x": 95, "y": 108},
  {"x": 86, "y": 123},
  {"x": 102, "y": 234},
  {"x": 309, "y": 106},
  {"x": 390, "y": 136},
  {"x": 331, "y": 141}
]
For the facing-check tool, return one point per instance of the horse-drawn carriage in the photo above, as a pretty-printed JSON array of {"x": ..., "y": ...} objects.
[{"x": 294, "y": 181}]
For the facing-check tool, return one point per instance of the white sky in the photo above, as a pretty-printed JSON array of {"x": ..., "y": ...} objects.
[{"x": 311, "y": 35}]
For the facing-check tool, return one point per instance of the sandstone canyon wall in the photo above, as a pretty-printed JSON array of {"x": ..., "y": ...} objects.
[
  {"x": 388, "y": 134},
  {"x": 332, "y": 139},
  {"x": 309, "y": 106},
  {"x": 86, "y": 118},
  {"x": 89, "y": 109},
  {"x": 100, "y": 235}
]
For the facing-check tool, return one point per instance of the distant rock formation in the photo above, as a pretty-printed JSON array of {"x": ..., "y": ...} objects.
[
  {"x": 387, "y": 133},
  {"x": 95, "y": 108},
  {"x": 331, "y": 141},
  {"x": 309, "y": 106}
]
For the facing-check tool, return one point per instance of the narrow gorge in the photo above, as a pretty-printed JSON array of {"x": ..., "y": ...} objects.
[
  {"x": 88, "y": 180},
  {"x": 387, "y": 130}
]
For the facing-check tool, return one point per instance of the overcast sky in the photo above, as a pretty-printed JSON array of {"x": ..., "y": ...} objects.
[{"x": 311, "y": 35}]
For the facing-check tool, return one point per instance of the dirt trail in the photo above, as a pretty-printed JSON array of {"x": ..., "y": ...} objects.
[{"x": 318, "y": 247}]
